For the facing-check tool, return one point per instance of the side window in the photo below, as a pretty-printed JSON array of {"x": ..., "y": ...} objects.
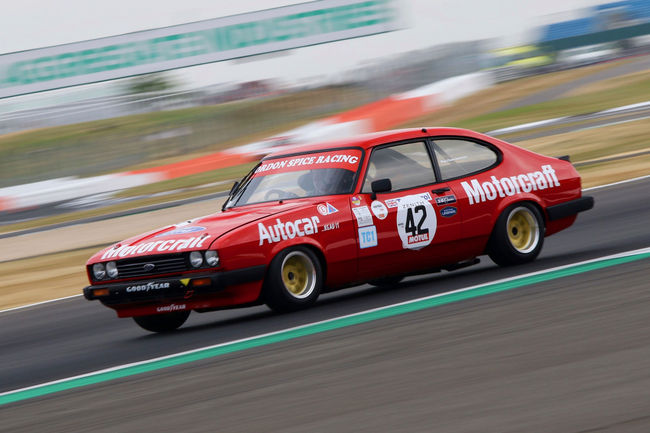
[
  {"x": 406, "y": 165},
  {"x": 458, "y": 158}
]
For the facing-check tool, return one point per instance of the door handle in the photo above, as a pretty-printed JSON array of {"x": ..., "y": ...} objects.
[{"x": 439, "y": 191}]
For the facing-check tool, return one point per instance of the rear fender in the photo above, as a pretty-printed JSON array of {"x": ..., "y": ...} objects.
[{"x": 520, "y": 198}]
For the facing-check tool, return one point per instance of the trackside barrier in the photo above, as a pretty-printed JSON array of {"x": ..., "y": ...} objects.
[{"x": 376, "y": 116}]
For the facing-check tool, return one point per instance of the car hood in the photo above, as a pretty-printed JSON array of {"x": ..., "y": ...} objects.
[{"x": 191, "y": 235}]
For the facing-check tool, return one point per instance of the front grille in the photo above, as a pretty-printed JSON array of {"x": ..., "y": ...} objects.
[{"x": 166, "y": 264}]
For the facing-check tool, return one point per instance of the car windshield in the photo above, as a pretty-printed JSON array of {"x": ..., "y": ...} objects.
[{"x": 298, "y": 176}]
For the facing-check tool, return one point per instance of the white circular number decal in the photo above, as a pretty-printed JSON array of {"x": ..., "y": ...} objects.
[
  {"x": 379, "y": 209},
  {"x": 416, "y": 222}
]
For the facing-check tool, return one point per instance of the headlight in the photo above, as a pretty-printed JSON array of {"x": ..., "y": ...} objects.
[
  {"x": 99, "y": 271},
  {"x": 211, "y": 258},
  {"x": 196, "y": 259},
  {"x": 111, "y": 270}
]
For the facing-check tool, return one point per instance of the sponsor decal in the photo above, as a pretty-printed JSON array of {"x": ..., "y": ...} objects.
[
  {"x": 182, "y": 231},
  {"x": 379, "y": 209},
  {"x": 445, "y": 200},
  {"x": 394, "y": 202},
  {"x": 356, "y": 200},
  {"x": 363, "y": 215},
  {"x": 289, "y": 230},
  {"x": 332, "y": 226},
  {"x": 448, "y": 211},
  {"x": 326, "y": 209},
  {"x": 169, "y": 245},
  {"x": 348, "y": 159},
  {"x": 416, "y": 222},
  {"x": 368, "y": 237},
  {"x": 479, "y": 192},
  {"x": 171, "y": 307},
  {"x": 147, "y": 287}
]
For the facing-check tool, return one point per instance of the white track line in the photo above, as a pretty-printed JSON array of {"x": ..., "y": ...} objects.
[
  {"x": 531, "y": 125},
  {"x": 612, "y": 184},
  {"x": 75, "y": 296},
  {"x": 619, "y": 122},
  {"x": 39, "y": 303}
]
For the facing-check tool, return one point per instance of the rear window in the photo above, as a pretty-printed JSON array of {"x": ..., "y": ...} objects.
[{"x": 458, "y": 158}]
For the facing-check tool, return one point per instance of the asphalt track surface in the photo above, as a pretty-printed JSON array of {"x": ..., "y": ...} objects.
[{"x": 569, "y": 355}]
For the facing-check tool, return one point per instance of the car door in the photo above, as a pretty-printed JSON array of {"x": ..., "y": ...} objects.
[
  {"x": 460, "y": 161},
  {"x": 401, "y": 230}
]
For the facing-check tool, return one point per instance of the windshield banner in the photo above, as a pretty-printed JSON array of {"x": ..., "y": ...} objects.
[{"x": 345, "y": 158}]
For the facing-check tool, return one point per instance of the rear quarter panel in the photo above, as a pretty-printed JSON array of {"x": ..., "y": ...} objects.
[{"x": 521, "y": 176}]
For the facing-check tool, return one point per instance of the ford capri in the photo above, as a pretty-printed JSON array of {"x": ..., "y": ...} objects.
[{"x": 318, "y": 218}]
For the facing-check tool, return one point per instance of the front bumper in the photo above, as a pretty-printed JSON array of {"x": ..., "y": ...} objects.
[
  {"x": 569, "y": 208},
  {"x": 170, "y": 289}
]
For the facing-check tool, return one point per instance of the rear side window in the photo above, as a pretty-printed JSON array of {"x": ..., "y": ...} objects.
[
  {"x": 406, "y": 165},
  {"x": 458, "y": 158}
]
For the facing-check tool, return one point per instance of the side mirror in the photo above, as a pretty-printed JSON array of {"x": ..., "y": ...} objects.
[{"x": 380, "y": 185}]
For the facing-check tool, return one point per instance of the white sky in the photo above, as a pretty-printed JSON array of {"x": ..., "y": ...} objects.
[{"x": 30, "y": 24}]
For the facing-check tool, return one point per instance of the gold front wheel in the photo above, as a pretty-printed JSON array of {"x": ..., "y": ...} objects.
[
  {"x": 298, "y": 274},
  {"x": 294, "y": 279}
]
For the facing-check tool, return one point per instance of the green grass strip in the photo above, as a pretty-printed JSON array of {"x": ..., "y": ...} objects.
[{"x": 337, "y": 323}]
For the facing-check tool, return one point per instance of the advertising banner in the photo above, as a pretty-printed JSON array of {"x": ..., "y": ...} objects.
[{"x": 192, "y": 44}]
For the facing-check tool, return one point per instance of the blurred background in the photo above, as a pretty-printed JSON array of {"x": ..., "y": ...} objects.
[{"x": 188, "y": 132}]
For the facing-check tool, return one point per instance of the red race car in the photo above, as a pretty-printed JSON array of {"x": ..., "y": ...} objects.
[{"x": 369, "y": 209}]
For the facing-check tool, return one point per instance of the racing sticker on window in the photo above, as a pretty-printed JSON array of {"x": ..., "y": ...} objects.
[
  {"x": 363, "y": 215},
  {"x": 416, "y": 222},
  {"x": 368, "y": 237},
  {"x": 344, "y": 158}
]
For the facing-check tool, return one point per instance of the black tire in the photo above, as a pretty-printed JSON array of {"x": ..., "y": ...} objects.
[
  {"x": 518, "y": 235},
  {"x": 386, "y": 282},
  {"x": 162, "y": 322},
  {"x": 294, "y": 280}
]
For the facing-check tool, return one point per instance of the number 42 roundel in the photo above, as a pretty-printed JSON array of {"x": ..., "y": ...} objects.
[{"x": 416, "y": 222}]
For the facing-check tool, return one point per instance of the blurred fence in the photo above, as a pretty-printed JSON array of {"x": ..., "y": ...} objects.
[{"x": 110, "y": 134}]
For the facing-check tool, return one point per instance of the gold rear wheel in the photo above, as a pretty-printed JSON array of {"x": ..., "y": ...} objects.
[
  {"x": 517, "y": 236},
  {"x": 523, "y": 230}
]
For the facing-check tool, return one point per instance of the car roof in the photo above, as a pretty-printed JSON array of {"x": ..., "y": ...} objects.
[{"x": 366, "y": 141}]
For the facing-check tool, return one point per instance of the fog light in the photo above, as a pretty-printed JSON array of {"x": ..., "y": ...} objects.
[
  {"x": 211, "y": 258},
  {"x": 99, "y": 271},
  {"x": 196, "y": 259},
  {"x": 100, "y": 292}
]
